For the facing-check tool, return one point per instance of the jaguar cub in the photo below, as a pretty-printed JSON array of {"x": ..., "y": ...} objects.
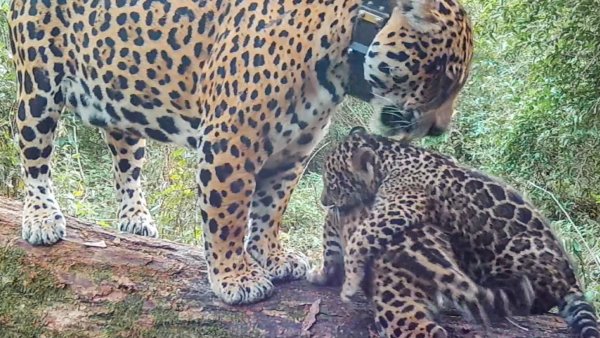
[
  {"x": 409, "y": 280},
  {"x": 405, "y": 221}
]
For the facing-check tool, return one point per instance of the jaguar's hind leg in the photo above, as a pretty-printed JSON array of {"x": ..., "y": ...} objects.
[
  {"x": 428, "y": 255},
  {"x": 410, "y": 279},
  {"x": 548, "y": 270},
  {"x": 403, "y": 308},
  {"x": 274, "y": 186},
  {"x": 128, "y": 156},
  {"x": 517, "y": 288}
]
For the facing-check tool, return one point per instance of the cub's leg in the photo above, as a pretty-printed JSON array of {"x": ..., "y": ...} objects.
[
  {"x": 381, "y": 227},
  {"x": 273, "y": 192},
  {"x": 424, "y": 265},
  {"x": 128, "y": 156},
  {"x": 547, "y": 268},
  {"x": 332, "y": 270},
  {"x": 354, "y": 271},
  {"x": 427, "y": 254},
  {"x": 545, "y": 265},
  {"x": 540, "y": 256},
  {"x": 40, "y": 102},
  {"x": 403, "y": 309}
]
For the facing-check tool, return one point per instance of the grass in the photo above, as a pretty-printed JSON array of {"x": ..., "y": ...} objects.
[{"x": 303, "y": 220}]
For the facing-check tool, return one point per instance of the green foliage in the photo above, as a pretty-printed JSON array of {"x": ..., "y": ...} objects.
[
  {"x": 9, "y": 156},
  {"x": 171, "y": 185},
  {"x": 303, "y": 220},
  {"x": 82, "y": 172},
  {"x": 350, "y": 113}
]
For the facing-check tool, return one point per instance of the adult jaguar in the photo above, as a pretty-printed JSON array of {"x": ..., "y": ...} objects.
[{"x": 251, "y": 85}]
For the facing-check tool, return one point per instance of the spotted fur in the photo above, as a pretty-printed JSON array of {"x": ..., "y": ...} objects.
[
  {"x": 413, "y": 279},
  {"x": 250, "y": 85},
  {"x": 439, "y": 223}
]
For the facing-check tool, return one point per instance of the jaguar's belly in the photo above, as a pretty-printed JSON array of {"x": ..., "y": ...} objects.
[
  {"x": 136, "y": 112},
  {"x": 141, "y": 110}
]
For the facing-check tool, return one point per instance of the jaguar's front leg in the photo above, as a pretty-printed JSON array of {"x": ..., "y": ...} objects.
[
  {"x": 225, "y": 186},
  {"x": 331, "y": 272},
  {"x": 274, "y": 188},
  {"x": 128, "y": 157}
]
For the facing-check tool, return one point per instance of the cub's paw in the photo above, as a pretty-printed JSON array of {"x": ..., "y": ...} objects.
[
  {"x": 326, "y": 275},
  {"x": 349, "y": 290},
  {"x": 494, "y": 304},
  {"x": 138, "y": 223},
  {"x": 43, "y": 223},
  {"x": 317, "y": 276},
  {"x": 249, "y": 284},
  {"x": 436, "y": 331},
  {"x": 515, "y": 295},
  {"x": 282, "y": 264}
]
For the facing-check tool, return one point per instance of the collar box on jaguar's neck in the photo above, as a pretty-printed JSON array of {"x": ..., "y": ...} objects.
[{"x": 410, "y": 226}]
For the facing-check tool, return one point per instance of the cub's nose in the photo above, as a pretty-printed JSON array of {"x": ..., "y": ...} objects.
[{"x": 398, "y": 121}]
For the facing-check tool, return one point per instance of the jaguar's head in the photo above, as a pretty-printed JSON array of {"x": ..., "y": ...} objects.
[{"x": 416, "y": 65}]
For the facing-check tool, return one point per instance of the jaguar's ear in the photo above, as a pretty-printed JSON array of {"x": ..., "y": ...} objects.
[
  {"x": 363, "y": 162},
  {"x": 358, "y": 130},
  {"x": 422, "y": 15}
]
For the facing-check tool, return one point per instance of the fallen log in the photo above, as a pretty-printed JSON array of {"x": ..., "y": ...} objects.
[{"x": 100, "y": 283}]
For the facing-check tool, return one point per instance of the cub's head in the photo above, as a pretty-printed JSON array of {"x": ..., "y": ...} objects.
[
  {"x": 351, "y": 178},
  {"x": 416, "y": 65}
]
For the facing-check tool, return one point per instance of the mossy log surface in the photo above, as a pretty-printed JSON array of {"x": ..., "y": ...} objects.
[{"x": 140, "y": 287}]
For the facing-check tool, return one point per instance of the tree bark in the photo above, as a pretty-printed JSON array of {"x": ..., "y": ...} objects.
[{"x": 136, "y": 286}]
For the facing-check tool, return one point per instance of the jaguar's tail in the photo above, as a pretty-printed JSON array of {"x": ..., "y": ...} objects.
[{"x": 580, "y": 315}]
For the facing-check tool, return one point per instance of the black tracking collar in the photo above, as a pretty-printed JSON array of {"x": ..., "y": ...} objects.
[{"x": 372, "y": 15}]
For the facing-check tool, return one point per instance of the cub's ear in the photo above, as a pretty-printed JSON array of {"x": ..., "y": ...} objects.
[
  {"x": 363, "y": 162},
  {"x": 357, "y": 130}
]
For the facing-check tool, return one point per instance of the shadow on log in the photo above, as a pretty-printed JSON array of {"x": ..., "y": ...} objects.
[{"x": 113, "y": 285}]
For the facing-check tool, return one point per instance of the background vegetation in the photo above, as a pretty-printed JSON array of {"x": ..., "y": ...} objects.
[{"x": 530, "y": 114}]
